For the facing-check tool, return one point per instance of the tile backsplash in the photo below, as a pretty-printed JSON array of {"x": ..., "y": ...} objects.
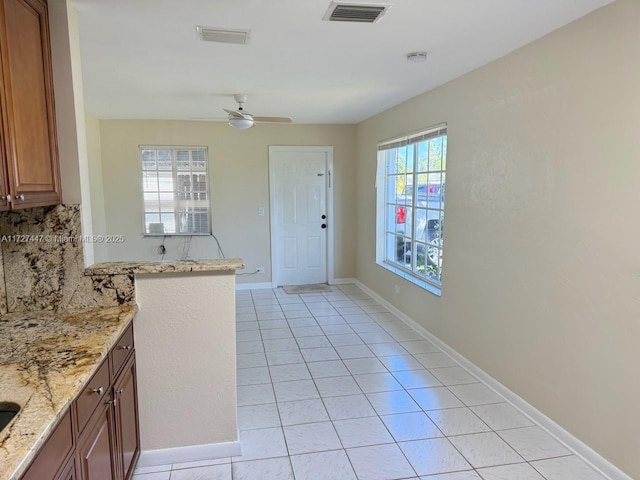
[{"x": 42, "y": 267}]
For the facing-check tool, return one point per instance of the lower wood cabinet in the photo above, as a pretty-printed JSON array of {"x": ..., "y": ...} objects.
[
  {"x": 109, "y": 447},
  {"x": 69, "y": 471},
  {"x": 102, "y": 443},
  {"x": 126, "y": 419},
  {"x": 97, "y": 447},
  {"x": 54, "y": 454}
]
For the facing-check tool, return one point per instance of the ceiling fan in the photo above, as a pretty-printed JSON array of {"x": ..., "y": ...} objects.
[{"x": 241, "y": 119}]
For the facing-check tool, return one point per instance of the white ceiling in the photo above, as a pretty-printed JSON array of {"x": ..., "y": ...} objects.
[{"x": 142, "y": 58}]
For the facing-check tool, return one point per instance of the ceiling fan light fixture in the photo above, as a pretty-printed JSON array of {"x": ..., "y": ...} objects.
[
  {"x": 240, "y": 119},
  {"x": 241, "y": 123}
]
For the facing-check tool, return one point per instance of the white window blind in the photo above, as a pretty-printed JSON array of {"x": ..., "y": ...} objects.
[
  {"x": 175, "y": 186},
  {"x": 416, "y": 137}
]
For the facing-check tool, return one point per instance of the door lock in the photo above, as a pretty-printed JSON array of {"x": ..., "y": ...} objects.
[
  {"x": 324, "y": 216},
  {"x": 324, "y": 225}
]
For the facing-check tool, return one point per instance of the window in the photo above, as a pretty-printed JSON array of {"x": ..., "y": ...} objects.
[
  {"x": 410, "y": 206},
  {"x": 175, "y": 189}
]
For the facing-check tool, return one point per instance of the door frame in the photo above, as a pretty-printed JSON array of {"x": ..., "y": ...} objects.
[{"x": 329, "y": 183}]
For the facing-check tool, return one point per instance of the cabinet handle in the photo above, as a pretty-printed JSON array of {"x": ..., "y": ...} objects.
[
  {"x": 113, "y": 402},
  {"x": 120, "y": 392},
  {"x": 125, "y": 347},
  {"x": 20, "y": 197},
  {"x": 7, "y": 198},
  {"x": 99, "y": 390}
]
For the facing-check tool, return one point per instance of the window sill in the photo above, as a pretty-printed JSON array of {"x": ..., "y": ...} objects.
[{"x": 411, "y": 278}]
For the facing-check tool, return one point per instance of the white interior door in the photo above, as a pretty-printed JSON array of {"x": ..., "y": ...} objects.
[{"x": 299, "y": 181}]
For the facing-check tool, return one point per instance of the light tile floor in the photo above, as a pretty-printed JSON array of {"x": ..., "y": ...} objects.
[{"x": 331, "y": 386}]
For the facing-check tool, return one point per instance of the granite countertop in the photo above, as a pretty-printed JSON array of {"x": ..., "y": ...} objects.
[
  {"x": 168, "y": 266},
  {"x": 45, "y": 359}
]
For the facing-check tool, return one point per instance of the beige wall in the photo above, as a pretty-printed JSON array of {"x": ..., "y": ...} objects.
[
  {"x": 70, "y": 113},
  {"x": 541, "y": 265},
  {"x": 94, "y": 155},
  {"x": 238, "y": 165},
  {"x": 65, "y": 58}
]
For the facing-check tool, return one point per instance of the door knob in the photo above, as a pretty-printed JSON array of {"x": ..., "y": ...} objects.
[{"x": 324, "y": 225}]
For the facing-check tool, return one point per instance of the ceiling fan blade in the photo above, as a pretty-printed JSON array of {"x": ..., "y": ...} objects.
[
  {"x": 238, "y": 114},
  {"x": 272, "y": 119}
]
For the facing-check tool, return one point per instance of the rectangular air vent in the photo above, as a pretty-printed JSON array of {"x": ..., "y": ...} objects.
[
  {"x": 355, "y": 12},
  {"x": 208, "y": 34}
]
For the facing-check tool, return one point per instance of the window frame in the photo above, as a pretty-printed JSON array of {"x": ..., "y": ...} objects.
[
  {"x": 385, "y": 208},
  {"x": 175, "y": 191}
]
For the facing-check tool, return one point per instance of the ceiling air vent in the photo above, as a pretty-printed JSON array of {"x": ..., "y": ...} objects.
[
  {"x": 355, "y": 12},
  {"x": 207, "y": 34}
]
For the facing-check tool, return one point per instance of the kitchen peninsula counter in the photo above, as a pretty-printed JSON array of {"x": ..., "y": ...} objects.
[
  {"x": 46, "y": 358},
  {"x": 185, "y": 340},
  {"x": 168, "y": 266}
]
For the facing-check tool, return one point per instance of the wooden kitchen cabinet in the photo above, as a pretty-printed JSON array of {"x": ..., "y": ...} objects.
[
  {"x": 29, "y": 167},
  {"x": 126, "y": 419},
  {"x": 69, "y": 472},
  {"x": 96, "y": 446},
  {"x": 55, "y": 452},
  {"x": 94, "y": 394},
  {"x": 109, "y": 447},
  {"x": 98, "y": 438}
]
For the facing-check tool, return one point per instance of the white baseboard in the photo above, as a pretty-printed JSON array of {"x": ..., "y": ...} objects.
[
  {"x": 257, "y": 286},
  {"x": 192, "y": 453},
  {"x": 582, "y": 450},
  {"x": 253, "y": 286},
  {"x": 342, "y": 281}
]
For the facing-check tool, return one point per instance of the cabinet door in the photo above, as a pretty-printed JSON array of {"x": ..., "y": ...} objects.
[
  {"x": 52, "y": 455},
  {"x": 96, "y": 446},
  {"x": 4, "y": 181},
  {"x": 29, "y": 131},
  {"x": 126, "y": 394},
  {"x": 69, "y": 472},
  {"x": 4, "y": 186}
]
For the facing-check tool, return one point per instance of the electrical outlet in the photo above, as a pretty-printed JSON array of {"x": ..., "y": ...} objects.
[{"x": 260, "y": 270}]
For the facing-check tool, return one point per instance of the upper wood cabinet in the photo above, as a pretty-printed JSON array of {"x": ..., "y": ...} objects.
[{"x": 29, "y": 174}]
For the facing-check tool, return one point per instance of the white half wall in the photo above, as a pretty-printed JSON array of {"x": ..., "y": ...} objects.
[{"x": 186, "y": 359}]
